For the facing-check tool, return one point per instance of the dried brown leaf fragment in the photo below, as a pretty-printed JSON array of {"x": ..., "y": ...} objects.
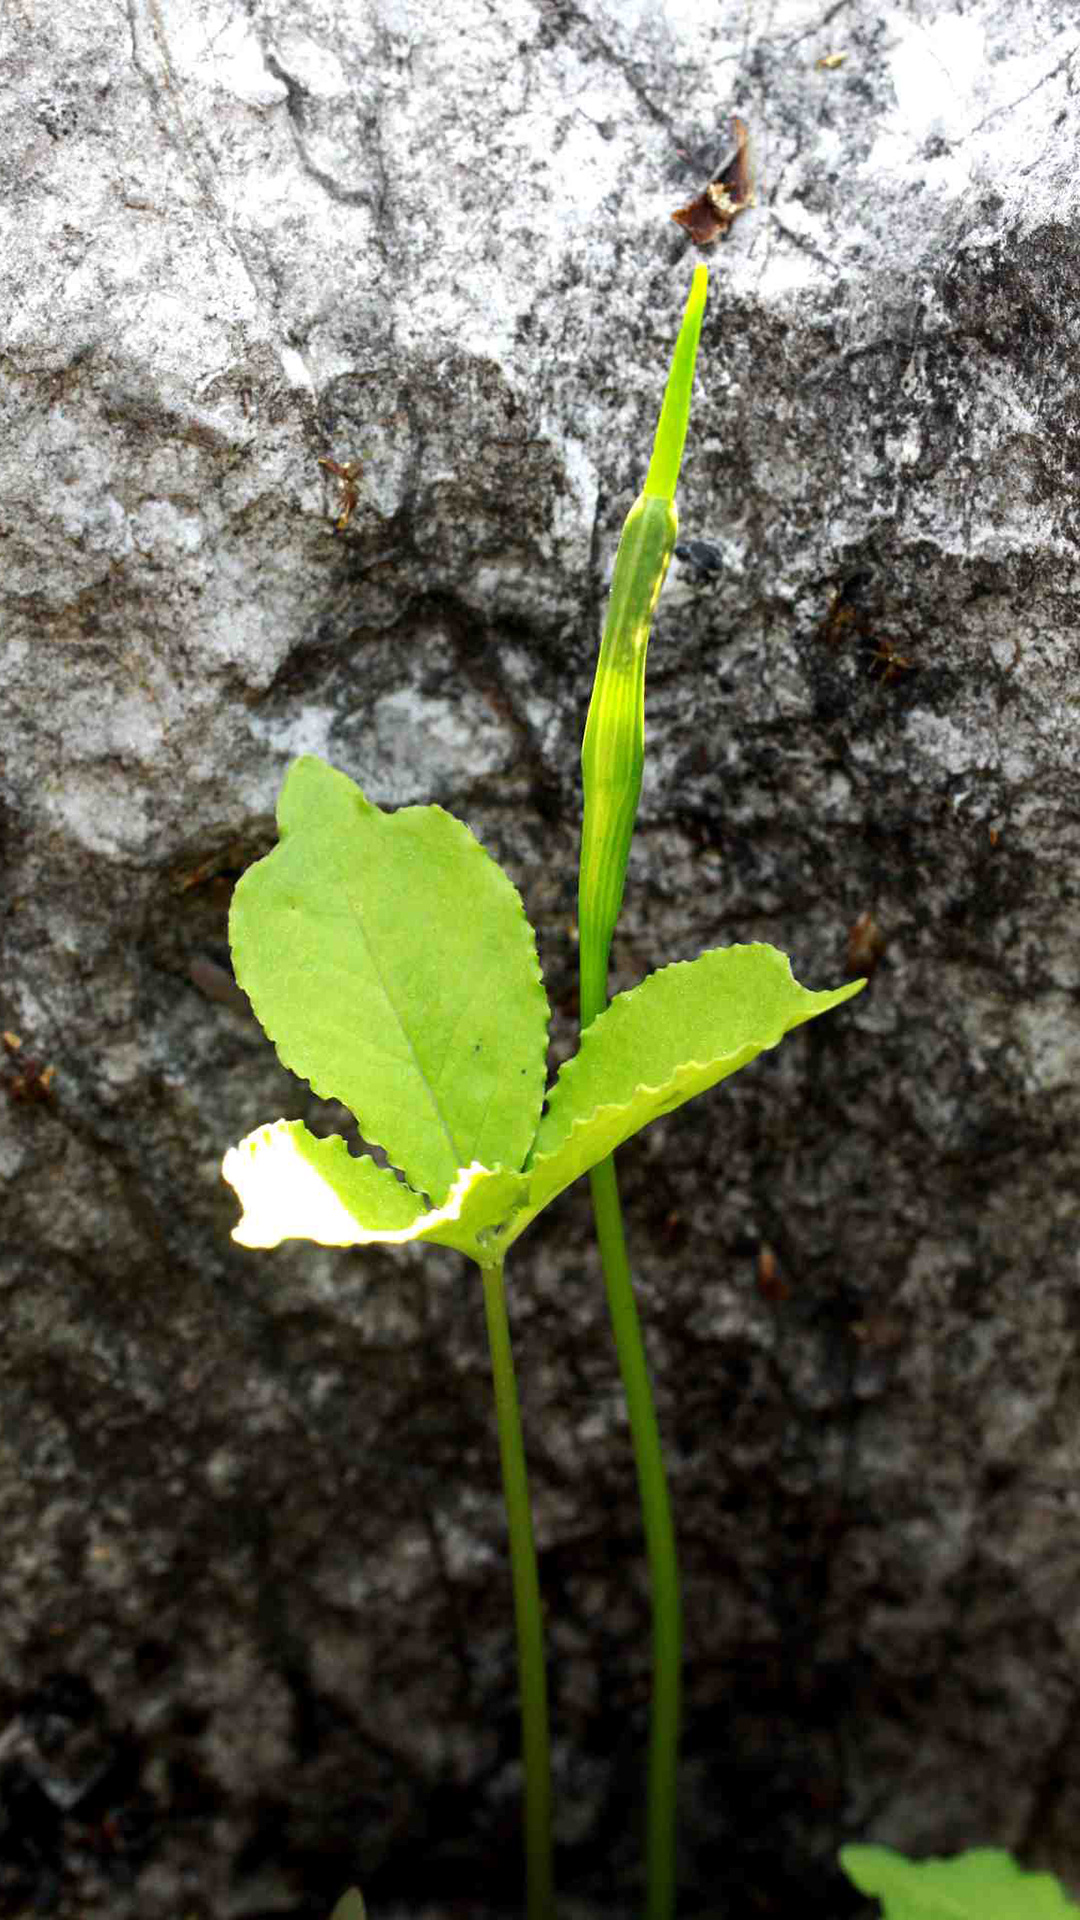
[{"x": 709, "y": 216}]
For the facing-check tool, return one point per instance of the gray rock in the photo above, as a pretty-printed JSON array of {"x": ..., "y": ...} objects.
[{"x": 254, "y": 1606}]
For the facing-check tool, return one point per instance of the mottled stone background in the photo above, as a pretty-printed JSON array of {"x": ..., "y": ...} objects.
[{"x": 255, "y": 1617}]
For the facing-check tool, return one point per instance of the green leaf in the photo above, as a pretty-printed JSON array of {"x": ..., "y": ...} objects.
[
  {"x": 983, "y": 1884},
  {"x": 389, "y": 959},
  {"x": 674, "y": 419},
  {"x": 350, "y": 1906},
  {"x": 683, "y": 1029},
  {"x": 293, "y": 1186},
  {"x": 679, "y": 1032}
]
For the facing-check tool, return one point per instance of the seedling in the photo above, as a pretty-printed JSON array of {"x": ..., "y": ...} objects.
[{"x": 390, "y": 960}]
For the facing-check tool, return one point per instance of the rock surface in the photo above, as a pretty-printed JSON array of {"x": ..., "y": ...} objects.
[{"x": 254, "y": 1608}]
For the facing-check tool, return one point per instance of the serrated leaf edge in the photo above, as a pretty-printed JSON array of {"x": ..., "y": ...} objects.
[
  {"x": 595, "y": 1033},
  {"x": 425, "y": 1224},
  {"x": 320, "y": 1086}
]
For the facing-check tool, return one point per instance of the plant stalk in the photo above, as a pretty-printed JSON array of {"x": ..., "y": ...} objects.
[
  {"x": 659, "y": 1546},
  {"x": 532, "y": 1677},
  {"x": 612, "y": 762}
]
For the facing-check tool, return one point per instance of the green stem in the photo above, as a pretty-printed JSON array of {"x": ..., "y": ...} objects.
[
  {"x": 540, "y": 1896},
  {"x": 659, "y": 1544},
  {"x": 612, "y": 760}
]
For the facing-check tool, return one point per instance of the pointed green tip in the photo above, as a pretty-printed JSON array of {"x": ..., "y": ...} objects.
[{"x": 675, "y": 413}]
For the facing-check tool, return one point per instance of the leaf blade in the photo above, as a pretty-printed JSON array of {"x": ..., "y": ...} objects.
[
  {"x": 985, "y": 1883},
  {"x": 292, "y": 1185},
  {"x": 389, "y": 959},
  {"x": 680, "y": 1031}
]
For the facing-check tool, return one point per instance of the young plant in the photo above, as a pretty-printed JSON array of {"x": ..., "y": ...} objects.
[
  {"x": 390, "y": 961},
  {"x": 983, "y": 1884}
]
